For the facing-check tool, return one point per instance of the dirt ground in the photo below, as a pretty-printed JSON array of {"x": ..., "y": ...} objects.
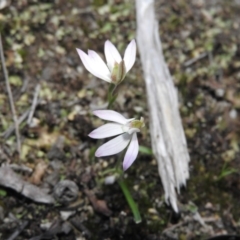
[{"x": 56, "y": 189}]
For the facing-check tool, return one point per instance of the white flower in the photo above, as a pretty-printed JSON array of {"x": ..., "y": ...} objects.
[
  {"x": 116, "y": 68},
  {"x": 126, "y": 129}
]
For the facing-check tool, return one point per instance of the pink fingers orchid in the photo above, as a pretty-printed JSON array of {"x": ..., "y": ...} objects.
[
  {"x": 116, "y": 68},
  {"x": 126, "y": 129}
]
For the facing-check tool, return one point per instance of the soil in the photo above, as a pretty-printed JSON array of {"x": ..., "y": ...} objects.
[{"x": 201, "y": 47}]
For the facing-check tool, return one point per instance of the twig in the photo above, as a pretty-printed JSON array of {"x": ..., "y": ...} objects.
[
  {"x": 4, "y": 155},
  {"x": 77, "y": 223},
  {"x": 25, "y": 84},
  {"x": 9, "y": 131},
  {"x": 22, "y": 168},
  {"x": 194, "y": 60},
  {"x": 15, "y": 119},
  {"x": 15, "y": 234},
  {"x": 34, "y": 104},
  {"x": 171, "y": 228}
]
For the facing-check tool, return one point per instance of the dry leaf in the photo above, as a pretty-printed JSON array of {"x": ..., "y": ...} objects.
[
  {"x": 38, "y": 172},
  {"x": 98, "y": 205}
]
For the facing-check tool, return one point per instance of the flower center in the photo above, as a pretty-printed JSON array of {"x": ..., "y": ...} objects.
[
  {"x": 137, "y": 123},
  {"x": 118, "y": 72}
]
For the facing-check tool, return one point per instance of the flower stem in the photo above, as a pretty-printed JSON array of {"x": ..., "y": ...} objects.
[
  {"x": 132, "y": 204},
  {"x": 122, "y": 183},
  {"x": 111, "y": 96}
]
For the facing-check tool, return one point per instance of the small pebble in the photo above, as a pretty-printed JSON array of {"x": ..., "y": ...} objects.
[
  {"x": 66, "y": 214},
  {"x": 220, "y": 92},
  {"x": 110, "y": 180},
  {"x": 233, "y": 114},
  {"x": 152, "y": 211}
]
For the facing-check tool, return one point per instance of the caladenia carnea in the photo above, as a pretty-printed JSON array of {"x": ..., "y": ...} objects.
[
  {"x": 116, "y": 68},
  {"x": 124, "y": 129},
  {"x": 126, "y": 132}
]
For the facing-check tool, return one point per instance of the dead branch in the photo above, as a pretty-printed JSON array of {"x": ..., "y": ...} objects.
[
  {"x": 9, "y": 179},
  {"x": 168, "y": 139},
  {"x": 10, "y": 130},
  {"x": 194, "y": 60}
]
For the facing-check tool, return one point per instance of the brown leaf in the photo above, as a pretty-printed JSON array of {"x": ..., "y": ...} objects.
[
  {"x": 98, "y": 205},
  {"x": 38, "y": 172}
]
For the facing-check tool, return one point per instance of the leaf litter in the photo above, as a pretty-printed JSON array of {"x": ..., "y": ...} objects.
[{"x": 200, "y": 43}]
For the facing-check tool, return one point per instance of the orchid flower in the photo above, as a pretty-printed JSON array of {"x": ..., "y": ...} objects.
[
  {"x": 116, "y": 68},
  {"x": 126, "y": 129}
]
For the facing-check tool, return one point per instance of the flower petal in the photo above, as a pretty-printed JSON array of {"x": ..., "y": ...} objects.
[
  {"x": 133, "y": 130},
  {"x": 111, "y": 115},
  {"x": 130, "y": 55},
  {"x": 99, "y": 66},
  {"x": 114, "y": 146},
  {"x": 112, "y": 55},
  {"x": 90, "y": 64},
  {"x": 107, "y": 130},
  {"x": 86, "y": 61},
  {"x": 131, "y": 153}
]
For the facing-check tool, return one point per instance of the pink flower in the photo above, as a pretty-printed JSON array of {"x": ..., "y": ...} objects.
[
  {"x": 116, "y": 68},
  {"x": 126, "y": 129}
]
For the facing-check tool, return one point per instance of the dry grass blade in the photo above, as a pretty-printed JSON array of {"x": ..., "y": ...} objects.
[
  {"x": 34, "y": 104},
  {"x": 9, "y": 91}
]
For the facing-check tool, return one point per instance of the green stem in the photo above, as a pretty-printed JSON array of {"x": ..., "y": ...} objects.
[
  {"x": 111, "y": 96},
  {"x": 111, "y": 170},
  {"x": 132, "y": 204},
  {"x": 113, "y": 89}
]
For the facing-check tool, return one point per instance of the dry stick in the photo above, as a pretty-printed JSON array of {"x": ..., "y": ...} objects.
[
  {"x": 29, "y": 113},
  {"x": 34, "y": 104},
  {"x": 16, "y": 233},
  {"x": 194, "y": 60},
  {"x": 9, "y": 131},
  {"x": 15, "y": 119},
  {"x": 168, "y": 138}
]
